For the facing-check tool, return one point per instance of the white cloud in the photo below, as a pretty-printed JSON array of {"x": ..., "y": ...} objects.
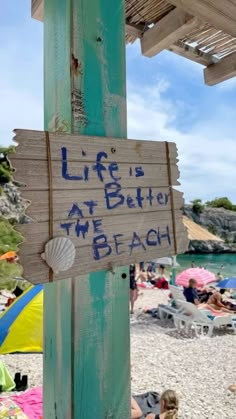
[{"x": 207, "y": 152}]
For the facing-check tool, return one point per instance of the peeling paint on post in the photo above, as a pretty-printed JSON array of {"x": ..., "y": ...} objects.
[{"x": 87, "y": 363}]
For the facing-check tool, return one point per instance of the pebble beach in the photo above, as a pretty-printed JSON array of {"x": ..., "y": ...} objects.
[{"x": 199, "y": 369}]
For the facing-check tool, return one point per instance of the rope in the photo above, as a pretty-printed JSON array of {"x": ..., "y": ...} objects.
[
  {"x": 171, "y": 195},
  {"x": 50, "y": 196}
]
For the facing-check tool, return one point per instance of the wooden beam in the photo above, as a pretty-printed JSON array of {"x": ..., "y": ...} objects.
[
  {"x": 168, "y": 30},
  {"x": 88, "y": 374},
  {"x": 37, "y": 12},
  {"x": 133, "y": 30},
  {"x": 218, "y": 13},
  {"x": 37, "y": 9},
  {"x": 191, "y": 53},
  {"x": 222, "y": 71}
]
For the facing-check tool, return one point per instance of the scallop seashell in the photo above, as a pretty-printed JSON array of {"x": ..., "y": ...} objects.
[{"x": 59, "y": 254}]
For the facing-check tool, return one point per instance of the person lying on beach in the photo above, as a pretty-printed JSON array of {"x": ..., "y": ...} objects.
[
  {"x": 216, "y": 302},
  {"x": 190, "y": 292},
  {"x": 169, "y": 406}
]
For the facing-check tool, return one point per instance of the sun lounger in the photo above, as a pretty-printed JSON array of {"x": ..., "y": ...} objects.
[
  {"x": 168, "y": 310},
  {"x": 192, "y": 318}
]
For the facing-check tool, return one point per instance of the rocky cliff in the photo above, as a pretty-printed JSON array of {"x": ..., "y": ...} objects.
[
  {"x": 12, "y": 205},
  {"x": 218, "y": 221}
]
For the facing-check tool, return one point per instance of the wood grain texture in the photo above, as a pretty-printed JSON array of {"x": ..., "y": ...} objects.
[
  {"x": 58, "y": 307},
  {"x": 105, "y": 337},
  {"x": 34, "y": 175},
  {"x": 168, "y": 30},
  {"x": 63, "y": 200},
  {"x": 94, "y": 104},
  {"x": 57, "y": 355},
  {"x": 38, "y": 233},
  {"x": 115, "y": 225},
  {"x": 32, "y": 145},
  {"x": 220, "y": 14},
  {"x": 191, "y": 53},
  {"x": 41, "y": 272},
  {"x": 222, "y": 71},
  {"x": 60, "y": 201}
]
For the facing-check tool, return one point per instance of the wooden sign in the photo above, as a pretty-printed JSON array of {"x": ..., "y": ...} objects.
[{"x": 111, "y": 198}]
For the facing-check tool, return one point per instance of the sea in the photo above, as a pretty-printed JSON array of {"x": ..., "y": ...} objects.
[{"x": 225, "y": 263}]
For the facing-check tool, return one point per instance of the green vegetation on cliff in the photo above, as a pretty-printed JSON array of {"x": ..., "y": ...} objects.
[{"x": 9, "y": 237}]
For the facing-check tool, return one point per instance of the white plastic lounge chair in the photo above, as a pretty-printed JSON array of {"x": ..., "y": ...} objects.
[
  {"x": 168, "y": 310},
  {"x": 194, "y": 318}
]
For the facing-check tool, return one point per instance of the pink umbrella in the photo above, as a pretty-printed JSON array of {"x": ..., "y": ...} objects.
[{"x": 202, "y": 276}]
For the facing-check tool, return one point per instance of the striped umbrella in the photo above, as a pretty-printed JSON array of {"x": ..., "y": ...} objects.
[{"x": 202, "y": 277}]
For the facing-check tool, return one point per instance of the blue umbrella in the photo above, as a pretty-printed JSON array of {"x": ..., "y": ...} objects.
[{"x": 227, "y": 283}]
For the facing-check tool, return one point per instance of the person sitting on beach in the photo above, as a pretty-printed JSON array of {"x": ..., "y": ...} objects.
[
  {"x": 169, "y": 406},
  {"x": 219, "y": 277},
  {"x": 190, "y": 292}
]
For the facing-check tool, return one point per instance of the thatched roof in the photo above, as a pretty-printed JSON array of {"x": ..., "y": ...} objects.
[
  {"x": 200, "y": 30},
  {"x": 196, "y": 232}
]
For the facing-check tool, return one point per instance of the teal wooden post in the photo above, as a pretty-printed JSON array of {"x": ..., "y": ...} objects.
[{"x": 87, "y": 348}]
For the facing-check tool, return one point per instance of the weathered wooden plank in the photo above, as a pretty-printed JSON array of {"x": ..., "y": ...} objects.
[
  {"x": 58, "y": 297},
  {"x": 34, "y": 174},
  {"x": 38, "y": 233},
  {"x": 218, "y": 13},
  {"x": 63, "y": 201},
  {"x": 133, "y": 30},
  {"x": 57, "y": 356},
  {"x": 222, "y": 71},
  {"x": 191, "y": 53},
  {"x": 35, "y": 264},
  {"x": 32, "y": 145},
  {"x": 92, "y": 36},
  {"x": 172, "y": 27},
  {"x": 101, "y": 337}
]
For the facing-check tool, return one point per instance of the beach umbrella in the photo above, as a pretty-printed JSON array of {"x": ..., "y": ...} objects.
[
  {"x": 202, "y": 276},
  {"x": 229, "y": 283},
  {"x": 165, "y": 261}
]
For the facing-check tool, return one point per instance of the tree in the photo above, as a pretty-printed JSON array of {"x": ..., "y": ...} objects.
[
  {"x": 5, "y": 167},
  {"x": 8, "y": 274},
  {"x": 198, "y": 206},
  {"x": 9, "y": 237},
  {"x": 223, "y": 202}
]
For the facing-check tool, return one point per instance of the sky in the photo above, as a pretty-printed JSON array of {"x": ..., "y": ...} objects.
[{"x": 166, "y": 97}]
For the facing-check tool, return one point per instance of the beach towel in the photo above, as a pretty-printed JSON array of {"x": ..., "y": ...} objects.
[
  {"x": 10, "y": 410},
  {"x": 6, "y": 381},
  {"x": 149, "y": 403},
  {"x": 146, "y": 285},
  {"x": 31, "y": 402}
]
